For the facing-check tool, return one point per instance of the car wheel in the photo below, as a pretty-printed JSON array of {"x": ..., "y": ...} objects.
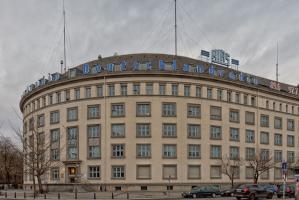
[
  {"x": 279, "y": 196},
  {"x": 252, "y": 197},
  {"x": 213, "y": 195},
  {"x": 194, "y": 196},
  {"x": 238, "y": 198},
  {"x": 270, "y": 196}
]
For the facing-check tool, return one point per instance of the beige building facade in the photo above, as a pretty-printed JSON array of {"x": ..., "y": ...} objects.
[{"x": 154, "y": 121}]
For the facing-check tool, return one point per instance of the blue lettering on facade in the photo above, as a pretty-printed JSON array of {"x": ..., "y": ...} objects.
[
  {"x": 220, "y": 73},
  {"x": 161, "y": 65},
  {"x": 232, "y": 75},
  {"x": 55, "y": 77},
  {"x": 110, "y": 67},
  {"x": 199, "y": 69},
  {"x": 186, "y": 68},
  {"x": 136, "y": 66},
  {"x": 97, "y": 68},
  {"x": 212, "y": 70},
  {"x": 149, "y": 66},
  {"x": 123, "y": 66},
  {"x": 241, "y": 76},
  {"x": 85, "y": 68},
  {"x": 174, "y": 66}
]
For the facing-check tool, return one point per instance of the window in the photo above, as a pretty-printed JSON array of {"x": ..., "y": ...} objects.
[
  {"x": 143, "y": 150},
  {"x": 143, "y": 130},
  {"x": 237, "y": 98},
  {"x": 93, "y": 111},
  {"x": 94, "y": 151},
  {"x": 215, "y": 132},
  {"x": 117, "y": 130},
  {"x": 277, "y": 139},
  {"x": 187, "y": 90},
  {"x": 234, "y": 134},
  {"x": 290, "y": 125},
  {"x": 54, "y": 153},
  {"x": 250, "y": 136},
  {"x": 143, "y": 110},
  {"x": 149, "y": 88},
  {"x": 250, "y": 153},
  {"x": 280, "y": 107},
  {"x": 194, "y": 171},
  {"x": 50, "y": 99},
  {"x": 118, "y": 150},
  {"x": 265, "y": 154},
  {"x": 136, "y": 88},
  {"x": 290, "y": 141},
  {"x": 118, "y": 172},
  {"x": 234, "y": 153},
  {"x": 216, "y": 113},
  {"x": 94, "y": 131},
  {"x": 162, "y": 89},
  {"x": 54, "y": 117},
  {"x": 236, "y": 171},
  {"x": 143, "y": 172},
  {"x": 219, "y": 94},
  {"x": 175, "y": 89},
  {"x": 245, "y": 99},
  {"x": 72, "y": 142},
  {"x": 264, "y": 138},
  {"x": 277, "y": 173},
  {"x": 265, "y": 175},
  {"x": 169, "y": 130},
  {"x": 194, "y": 131},
  {"x": 209, "y": 93},
  {"x": 94, "y": 172},
  {"x": 198, "y": 91},
  {"x": 87, "y": 92},
  {"x": 44, "y": 101},
  {"x": 72, "y": 114},
  {"x": 277, "y": 156},
  {"x": 290, "y": 156},
  {"x": 123, "y": 89},
  {"x": 249, "y": 172},
  {"x": 55, "y": 135},
  {"x": 118, "y": 110},
  {"x": 168, "y": 109},
  {"x": 278, "y": 122},
  {"x": 216, "y": 172},
  {"x": 40, "y": 120},
  {"x": 67, "y": 95},
  {"x": 169, "y": 172},
  {"x": 234, "y": 116},
  {"x": 267, "y": 104},
  {"x": 264, "y": 120},
  {"x": 253, "y": 101},
  {"x": 274, "y": 106},
  {"x": 58, "y": 97},
  {"x": 193, "y": 110},
  {"x": 100, "y": 90},
  {"x": 229, "y": 96},
  {"x": 215, "y": 152},
  {"x": 169, "y": 151},
  {"x": 194, "y": 151},
  {"x": 250, "y": 118},
  {"x": 111, "y": 90},
  {"x": 31, "y": 124},
  {"x": 55, "y": 174},
  {"x": 77, "y": 93}
]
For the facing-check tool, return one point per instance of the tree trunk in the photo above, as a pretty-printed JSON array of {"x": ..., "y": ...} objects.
[
  {"x": 232, "y": 182},
  {"x": 34, "y": 185},
  {"x": 40, "y": 186}
]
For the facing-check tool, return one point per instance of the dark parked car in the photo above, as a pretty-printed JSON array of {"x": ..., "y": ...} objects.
[
  {"x": 271, "y": 187},
  {"x": 289, "y": 191},
  {"x": 229, "y": 192},
  {"x": 203, "y": 191},
  {"x": 252, "y": 192}
]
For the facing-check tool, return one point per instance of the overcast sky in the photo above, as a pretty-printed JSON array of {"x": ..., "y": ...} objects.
[{"x": 31, "y": 36}]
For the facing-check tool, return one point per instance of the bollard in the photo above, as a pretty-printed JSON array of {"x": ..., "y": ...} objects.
[
  {"x": 15, "y": 195},
  {"x": 58, "y": 196},
  {"x": 128, "y": 196},
  {"x": 76, "y": 195},
  {"x": 24, "y": 195},
  {"x": 94, "y": 196},
  {"x": 112, "y": 197},
  {"x": 33, "y": 195},
  {"x": 45, "y": 196}
]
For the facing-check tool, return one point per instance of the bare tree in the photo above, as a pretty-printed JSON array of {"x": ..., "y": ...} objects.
[
  {"x": 36, "y": 152},
  {"x": 260, "y": 164},
  {"x": 231, "y": 168}
]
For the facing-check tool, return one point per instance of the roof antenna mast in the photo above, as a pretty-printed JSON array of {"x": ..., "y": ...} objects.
[
  {"x": 175, "y": 29},
  {"x": 64, "y": 48},
  {"x": 277, "y": 63}
]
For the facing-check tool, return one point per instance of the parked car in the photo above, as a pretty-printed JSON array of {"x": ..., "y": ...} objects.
[
  {"x": 229, "y": 192},
  {"x": 271, "y": 187},
  {"x": 289, "y": 191},
  {"x": 202, "y": 191},
  {"x": 252, "y": 192}
]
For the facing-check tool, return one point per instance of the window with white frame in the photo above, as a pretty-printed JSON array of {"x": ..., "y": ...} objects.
[
  {"x": 117, "y": 130},
  {"x": 193, "y": 110},
  {"x": 118, "y": 150},
  {"x": 143, "y": 109},
  {"x": 194, "y": 130},
  {"x": 94, "y": 172},
  {"x": 194, "y": 151},
  {"x": 93, "y": 111},
  {"x": 169, "y": 151},
  {"x": 118, "y": 110},
  {"x": 168, "y": 109},
  {"x": 143, "y": 150},
  {"x": 143, "y": 130},
  {"x": 118, "y": 172},
  {"x": 169, "y": 130}
]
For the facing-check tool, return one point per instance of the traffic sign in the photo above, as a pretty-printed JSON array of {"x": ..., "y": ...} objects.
[{"x": 284, "y": 166}]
